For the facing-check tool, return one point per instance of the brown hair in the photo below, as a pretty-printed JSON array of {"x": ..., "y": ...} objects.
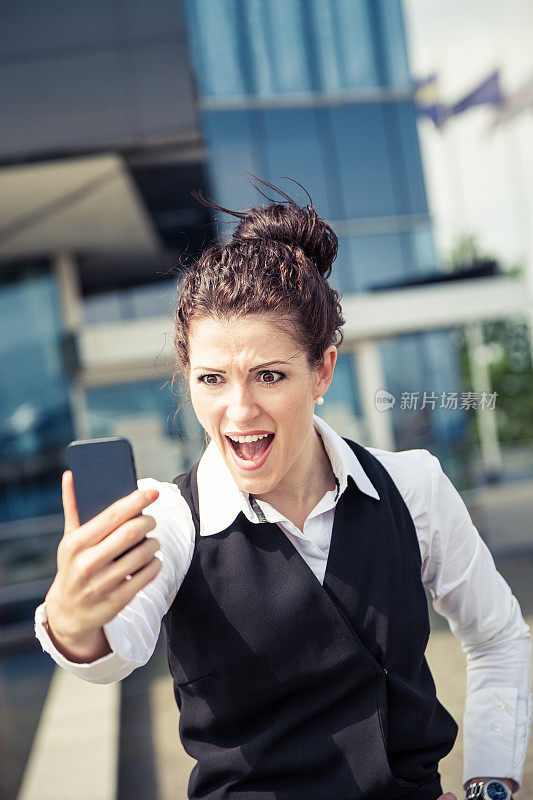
[{"x": 277, "y": 262}]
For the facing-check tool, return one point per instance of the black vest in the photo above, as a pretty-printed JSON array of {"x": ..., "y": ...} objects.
[{"x": 293, "y": 690}]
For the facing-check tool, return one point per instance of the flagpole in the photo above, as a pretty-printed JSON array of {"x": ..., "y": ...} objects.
[{"x": 456, "y": 188}]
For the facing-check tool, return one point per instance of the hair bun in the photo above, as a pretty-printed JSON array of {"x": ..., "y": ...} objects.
[
  {"x": 288, "y": 223},
  {"x": 294, "y": 226}
]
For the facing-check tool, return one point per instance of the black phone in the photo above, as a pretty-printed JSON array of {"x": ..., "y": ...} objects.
[{"x": 103, "y": 471}]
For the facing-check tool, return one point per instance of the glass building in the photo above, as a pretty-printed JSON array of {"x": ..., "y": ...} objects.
[{"x": 139, "y": 104}]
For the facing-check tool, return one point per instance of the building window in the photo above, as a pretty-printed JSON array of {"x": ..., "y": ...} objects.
[
  {"x": 35, "y": 421},
  {"x": 371, "y": 261}
]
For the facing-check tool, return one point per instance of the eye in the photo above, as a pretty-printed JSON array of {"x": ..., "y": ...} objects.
[
  {"x": 209, "y": 383},
  {"x": 269, "y": 372}
]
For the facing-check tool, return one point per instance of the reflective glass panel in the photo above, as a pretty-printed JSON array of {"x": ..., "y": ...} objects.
[
  {"x": 359, "y": 139},
  {"x": 371, "y": 261},
  {"x": 233, "y": 146},
  {"x": 294, "y": 147},
  {"x": 35, "y": 421},
  {"x": 393, "y": 38},
  {"x": 214, "y": 43},
  {"x": 344, "y": 45},
  {"x": 286, "y": 40}
]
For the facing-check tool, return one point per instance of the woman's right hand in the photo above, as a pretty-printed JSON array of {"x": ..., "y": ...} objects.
[{"x": 90, "y": 586}]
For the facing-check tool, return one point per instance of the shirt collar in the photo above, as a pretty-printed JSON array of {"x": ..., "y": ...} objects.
[{"x": 221, "y": 500}]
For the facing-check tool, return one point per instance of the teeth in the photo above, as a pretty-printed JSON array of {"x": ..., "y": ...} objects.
[{"x": 248, "y": 438}]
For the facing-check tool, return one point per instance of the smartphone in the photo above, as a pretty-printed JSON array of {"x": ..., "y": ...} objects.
[{"x": 103, "y": 471}]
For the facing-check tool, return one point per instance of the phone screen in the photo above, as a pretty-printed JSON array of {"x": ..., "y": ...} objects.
[{"x": 103, "y": 471}]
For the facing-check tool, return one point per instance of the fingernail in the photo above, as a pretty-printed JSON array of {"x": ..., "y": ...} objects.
[{"x": 152, "y": 494}]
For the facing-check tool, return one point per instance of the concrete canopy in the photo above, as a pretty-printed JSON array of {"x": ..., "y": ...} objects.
[{"x": 88, "y": 206}]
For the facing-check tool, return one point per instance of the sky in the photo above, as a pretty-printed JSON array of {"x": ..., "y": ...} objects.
[{"x": 477, "y": 182}]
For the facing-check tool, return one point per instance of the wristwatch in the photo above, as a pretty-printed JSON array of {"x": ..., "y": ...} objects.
[{"x": 488, "y": 790}]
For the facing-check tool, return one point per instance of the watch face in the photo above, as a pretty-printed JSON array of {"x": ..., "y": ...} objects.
[{"x": 496, "y": 791}]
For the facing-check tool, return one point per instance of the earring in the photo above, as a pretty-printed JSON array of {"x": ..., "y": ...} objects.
[{"x": 319, "y": 401}]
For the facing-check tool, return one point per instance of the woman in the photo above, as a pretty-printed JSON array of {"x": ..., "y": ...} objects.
[{"x": 288, "y": 566}]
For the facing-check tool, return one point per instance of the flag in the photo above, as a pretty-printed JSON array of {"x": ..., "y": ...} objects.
[
  {"x": 426, "y": 95},
  {"x": 489, "y": 91},
  {"x": 515, "y": 103}
]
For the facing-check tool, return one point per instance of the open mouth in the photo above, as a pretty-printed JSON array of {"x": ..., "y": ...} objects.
[{"x": 251, "y": 451}]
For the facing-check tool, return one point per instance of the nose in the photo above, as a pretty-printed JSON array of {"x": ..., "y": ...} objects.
[{"x": 242, "y": 406}]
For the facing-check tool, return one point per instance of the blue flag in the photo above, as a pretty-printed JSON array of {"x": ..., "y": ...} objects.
[
  {"x": 489, "y": 91},
  {"x": 426, "y": 95}
]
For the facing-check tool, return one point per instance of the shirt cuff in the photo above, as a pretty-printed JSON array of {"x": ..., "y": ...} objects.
[
  {"x": 494, "y": 744},
  {"x": 107, "y": 669}
]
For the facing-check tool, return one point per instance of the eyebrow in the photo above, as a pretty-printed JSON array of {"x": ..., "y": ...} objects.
[{"x": 259, "y": 366}]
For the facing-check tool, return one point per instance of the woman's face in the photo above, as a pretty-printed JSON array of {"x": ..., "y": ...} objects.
[{"x": 249, "y": 377}]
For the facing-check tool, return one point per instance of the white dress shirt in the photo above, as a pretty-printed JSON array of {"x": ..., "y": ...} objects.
[{"x": 457, "y": 568}]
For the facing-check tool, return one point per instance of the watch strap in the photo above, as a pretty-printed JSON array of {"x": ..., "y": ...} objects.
[{"x": 475, "y": 790}]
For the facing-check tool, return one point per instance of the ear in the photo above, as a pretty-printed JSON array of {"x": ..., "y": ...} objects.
[{"x": 325, "y": 372}]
